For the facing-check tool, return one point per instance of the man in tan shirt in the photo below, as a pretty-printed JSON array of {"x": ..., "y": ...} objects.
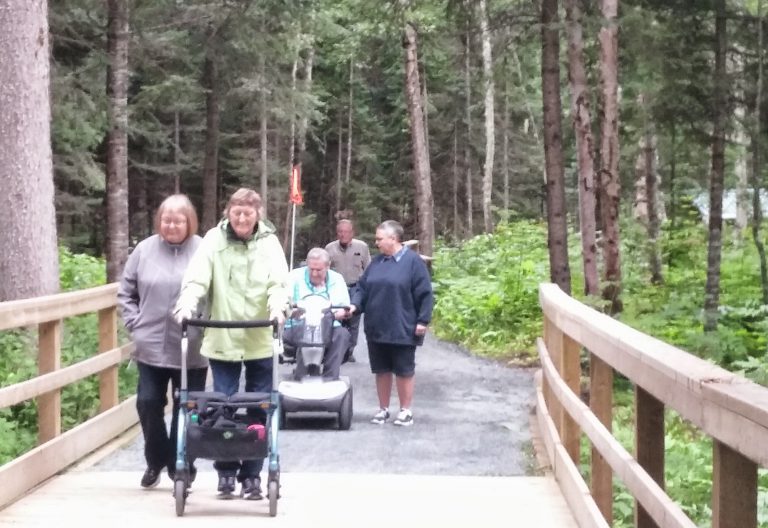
[{"x": 349, "y": 257}]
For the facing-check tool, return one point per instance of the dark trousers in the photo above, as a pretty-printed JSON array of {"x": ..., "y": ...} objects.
[
  {"x": 159, "y": 446},
  {"x": 226, "y": 379},
  {"x": 353, "y": 326}
]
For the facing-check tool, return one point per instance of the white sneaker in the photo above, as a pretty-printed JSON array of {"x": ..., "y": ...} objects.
[
  {"x": 404, "y": 418},
  {"x": 380, "y": 417}
]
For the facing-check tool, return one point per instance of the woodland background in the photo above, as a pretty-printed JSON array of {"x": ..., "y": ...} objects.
[{"x": 615, "y": 148}]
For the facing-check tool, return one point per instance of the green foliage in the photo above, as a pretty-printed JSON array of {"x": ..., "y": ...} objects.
[
  {"x": 487, "y": 290},
  {"x": 18, "y": 362}
]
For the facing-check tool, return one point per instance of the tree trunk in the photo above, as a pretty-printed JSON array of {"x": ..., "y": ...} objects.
[
  {"x": 714, "y": 248},
  {"x": 291, "y": 161},
  {"x": 651, "y": 199},
  {"x": 339, "y": 153},
  {"x": 490, "y": 130},
  {"x": 421, "y": 169},
  {"x": 505, "y": 143},
  {"x": 350, "y": 109},
  {"x": 212, "y": 116},
  {"x": 757, "y": 164},
  {"x": 29, "y": 263},
  {"x": 468, "y": 139},
  {"x": 263, "y": 119},
  {"x": 557, "y": 221},
  {"x": 176, "y": 154},
  {"x": 117, "y": 139},
  {"x": 582, "y": 124},
  {"x": 455, "y": 181},
  {"x": 610, "y": 184}
]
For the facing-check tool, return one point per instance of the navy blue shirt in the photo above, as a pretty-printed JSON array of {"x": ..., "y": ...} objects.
[{"x": 395, "y": 293}]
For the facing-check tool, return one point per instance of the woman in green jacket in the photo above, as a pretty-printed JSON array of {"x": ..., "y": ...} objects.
[{"x": 240, "y": 268}]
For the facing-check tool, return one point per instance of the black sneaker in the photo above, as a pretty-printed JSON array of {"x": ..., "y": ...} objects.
[
  {"x": 251, "y": 489},
  {"x": 151, "y": 478},
  {"x": 226, "y": 487}
]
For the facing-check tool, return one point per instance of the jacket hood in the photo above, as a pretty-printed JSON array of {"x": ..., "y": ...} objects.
[{"x": 263, "y": 228}]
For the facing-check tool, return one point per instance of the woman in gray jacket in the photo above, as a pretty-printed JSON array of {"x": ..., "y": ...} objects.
[{"x": 148, "y": 291}]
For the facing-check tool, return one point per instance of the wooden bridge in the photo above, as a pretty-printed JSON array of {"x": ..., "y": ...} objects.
[{"x": 43, "y": 486}]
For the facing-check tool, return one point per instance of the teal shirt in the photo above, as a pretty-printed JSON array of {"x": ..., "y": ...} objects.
[{"x": 335, "y": 289}]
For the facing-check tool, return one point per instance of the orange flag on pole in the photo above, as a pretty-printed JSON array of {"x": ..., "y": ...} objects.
[{"x": 295, "y": 187}]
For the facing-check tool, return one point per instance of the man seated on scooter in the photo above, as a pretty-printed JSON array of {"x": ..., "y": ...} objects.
[{"x": 316, "y": 278}]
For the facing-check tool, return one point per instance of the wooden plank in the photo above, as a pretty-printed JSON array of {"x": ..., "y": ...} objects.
[
  {"x": 734, "y": 489},
  {"x": 571, "y": 483},
  {"x": 660, "y": 507},
  {"x": 570, "y": 371},
  {"x": 108, "y": 384},
  {"x": 28, "y": 312},
  {"x": 601, "y": 405},
  {"x": 49, "y": 360},
  {"x": 46, "y": 460},
  {"x": 34, "y": 387},
  {"x": 715, "y": 400},
  {"x": 114, "y": 499},
  {"x": 649, "y": 446}
]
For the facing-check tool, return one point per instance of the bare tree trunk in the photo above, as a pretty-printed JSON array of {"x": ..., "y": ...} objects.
[
  {"x": 490, "y": 129},
  {"x": 425, "y": 104},
  {"x": 29, "y": 263},
  {"x": 212, "y": 117},
  {"x": 757, "y": 164},
  {"x": 651, "y": 200},
  {"x": 264, "y": 140},
  {"x": 176, "y": 154},
  {"x": 455, "y": 180},
  {"x": 307, "y": 88},
  {"x": 582, "y": 124},
  {"x": 468, "y": 139},
  {"x": 505, "y": 141},
  {"x": 422, "y": 172},
  {"x": 117, "y": 150},
  {"x": 339, "y": 153},
  {"x": 610, "y": 184},
  {"x": 291, "y": 157},
  {"x": 557, "y": 221},
  {"x": 714, "y": 248},
  {"x": 349, "y": 121}
]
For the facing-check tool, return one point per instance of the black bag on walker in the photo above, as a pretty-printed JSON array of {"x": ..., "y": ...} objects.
[{"x": 226, "y": 436}]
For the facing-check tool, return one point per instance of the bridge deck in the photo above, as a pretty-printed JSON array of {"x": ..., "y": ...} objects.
[{"x": 113, "y": 499}]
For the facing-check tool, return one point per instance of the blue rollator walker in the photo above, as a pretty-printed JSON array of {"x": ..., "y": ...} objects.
[{"x": 211, "y": 427}]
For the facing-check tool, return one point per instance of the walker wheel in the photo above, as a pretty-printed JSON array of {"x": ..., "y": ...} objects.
[
  {"x": 180, "y": 493},
  {"x": 272, "y": 489}
]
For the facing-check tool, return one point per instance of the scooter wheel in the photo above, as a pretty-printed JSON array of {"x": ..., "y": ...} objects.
[{"x": 345, "y": 411}]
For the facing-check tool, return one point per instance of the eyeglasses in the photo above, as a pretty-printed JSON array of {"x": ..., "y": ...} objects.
[{"x": 176, "y": 222}]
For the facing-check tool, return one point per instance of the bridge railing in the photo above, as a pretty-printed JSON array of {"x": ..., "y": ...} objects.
[
  {"x": 55, "y": 450},
  {"x": 731, "y": 410}
]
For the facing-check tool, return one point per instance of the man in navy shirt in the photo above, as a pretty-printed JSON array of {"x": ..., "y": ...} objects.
[{"x": 395, "y": 293}]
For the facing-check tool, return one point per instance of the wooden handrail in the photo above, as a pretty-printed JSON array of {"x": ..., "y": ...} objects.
[
  {"x": 55, "y": 450},
  {"x": 730, "y": 409}
]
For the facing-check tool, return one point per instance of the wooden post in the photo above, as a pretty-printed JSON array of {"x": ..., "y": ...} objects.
[
  {"x": 108, "y": 396},
  {"x": 553, "y": 341},
  {"x": 734, "y": 488},
  {"x": 570, "y": 371},
  {"x": 649, "y": 445},
  {"x": 601, "y": 404},
  {"x": 49, "y": 360}
]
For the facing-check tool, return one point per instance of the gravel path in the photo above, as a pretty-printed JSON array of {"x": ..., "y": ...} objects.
[{"x": 471, "y": 417}]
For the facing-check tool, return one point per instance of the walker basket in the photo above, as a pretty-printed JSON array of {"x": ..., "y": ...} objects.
[{"x": 226, "y": 440}]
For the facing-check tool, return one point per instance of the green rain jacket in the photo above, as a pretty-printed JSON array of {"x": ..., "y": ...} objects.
[{"x": 243, "y": 280}]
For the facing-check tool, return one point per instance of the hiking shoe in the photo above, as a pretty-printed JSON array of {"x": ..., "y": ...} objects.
[
  {"x": 151, "y": 478},
  {"x": 251, "y": 489},
  {"x": 226, "y": 487},
  {"x": 404, "y": 418},
  {"x": 380, "y": 417}
]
